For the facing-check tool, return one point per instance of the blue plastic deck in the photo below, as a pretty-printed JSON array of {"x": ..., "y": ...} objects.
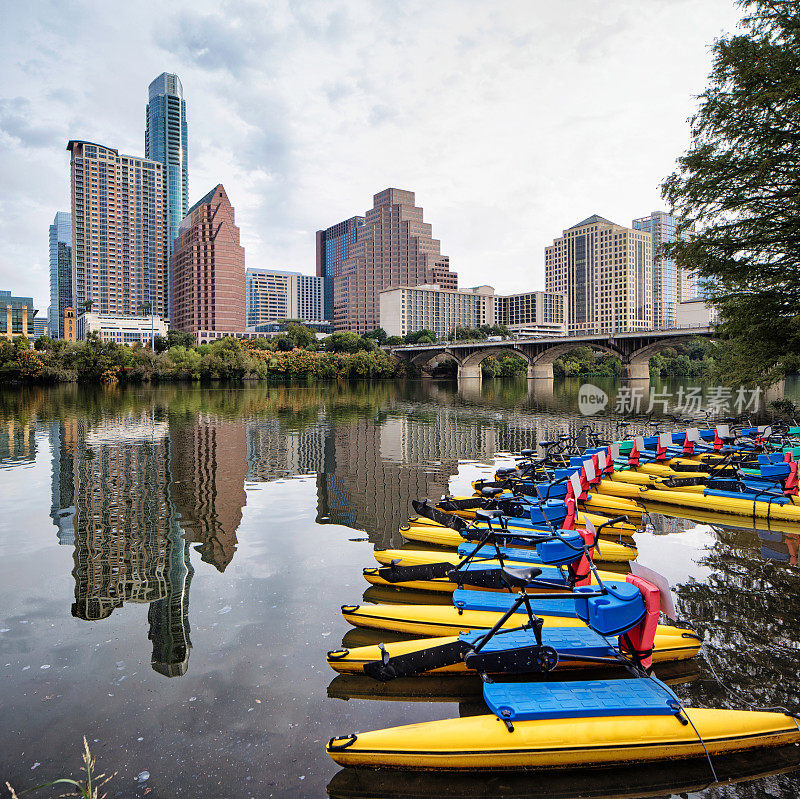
[
  {"x": 500, "y": 602},
  {"x": 524, "y": 555},
  {"x": 566, "y": 640},
  {"x": 559, "y": 700},
  {"x": 746, "y": 495}
]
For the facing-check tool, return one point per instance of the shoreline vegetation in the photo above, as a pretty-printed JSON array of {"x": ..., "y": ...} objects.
[{"x": 296, "y": 354}]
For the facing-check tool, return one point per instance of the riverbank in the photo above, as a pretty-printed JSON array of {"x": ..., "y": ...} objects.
[{"x": 93, "y": 361}]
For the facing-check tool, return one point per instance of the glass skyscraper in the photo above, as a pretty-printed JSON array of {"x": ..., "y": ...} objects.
[
  {"x": 60, "y": 272},
  {"x": 671, "y": 285},
  {"x": 333, "y": 249},
  {"x": 166, "y": 141}
]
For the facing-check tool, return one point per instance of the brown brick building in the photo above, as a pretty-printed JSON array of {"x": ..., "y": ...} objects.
[
  {"x": 393, "y": 248},
  {"x": 208, "y": 268}
]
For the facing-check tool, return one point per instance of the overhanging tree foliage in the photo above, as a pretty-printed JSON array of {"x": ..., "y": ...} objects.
[{"x": 739, "y": 185}]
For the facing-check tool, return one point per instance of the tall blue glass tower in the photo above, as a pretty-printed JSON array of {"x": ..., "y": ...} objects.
[
  {"x": 166, "y": 141},
  {"x": 60, "y": 272}
]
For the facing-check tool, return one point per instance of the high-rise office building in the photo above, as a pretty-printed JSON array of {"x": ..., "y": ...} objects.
[
  {"x": 273, "y": 295},
  {"x": 333, "y": 249},
  {"x": 119, "y": 262},
  {"x": 669, "y": 281},
  {"x": 393, "y": 248},
  {"x": 606, "y": 271},
  {"x": 208, "y": 268},
  {"x": 166, "y": 141},
  {"x": 60, "y": 272}
]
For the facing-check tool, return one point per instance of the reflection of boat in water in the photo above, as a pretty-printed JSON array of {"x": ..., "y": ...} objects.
[
  {"x": 780, "y": 546},
  {"x": 469, "y": 686},
  {"x": 779, "y": 540},
  {"x": 724, "y": 520},
  {"x": 599, "y": 783}
]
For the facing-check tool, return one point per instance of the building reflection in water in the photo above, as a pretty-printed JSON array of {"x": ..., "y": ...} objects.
[
  {"x": 111, "y": 500},
  {"x": 137, "y": 490},
  {"x": 208, "y": 470},
  {"x": 17, "y": 441}
]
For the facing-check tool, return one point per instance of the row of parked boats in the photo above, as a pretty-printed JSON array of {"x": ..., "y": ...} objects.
[{"x": 539, "y": 567}]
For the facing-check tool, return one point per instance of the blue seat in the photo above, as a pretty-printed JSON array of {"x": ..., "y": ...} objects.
[
  {"x": 620, "y": 609},
  {"x": 559, "y": 700},
  {"x": 561, "y": 551}
]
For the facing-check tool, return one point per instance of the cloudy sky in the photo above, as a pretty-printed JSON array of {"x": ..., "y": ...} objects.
[{"x": 510, "y": 120}]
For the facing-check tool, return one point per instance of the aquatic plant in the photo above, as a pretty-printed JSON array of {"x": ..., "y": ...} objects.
[{"x": 88, "y": 788}]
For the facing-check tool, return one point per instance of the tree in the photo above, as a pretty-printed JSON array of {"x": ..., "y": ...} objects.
[
  {"x": 283, "y": 343},
  {"x": 161, "y": 343},
  {"x": 178, "y": 338},
  {"x": 420, "y": 337},
  {"x": 739, "y": 185},
  {"x": 394, "y": 341},
  {"x": 301, "y": 336},
  {"x": 342, "y": 341},
  {"x": 378, "y": 334}
]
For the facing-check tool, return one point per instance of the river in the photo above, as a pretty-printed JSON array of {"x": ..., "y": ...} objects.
[{"x": 173, "y": 560}]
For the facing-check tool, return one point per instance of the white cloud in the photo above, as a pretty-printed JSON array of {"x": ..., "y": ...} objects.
[{"x": 510, "y": 120}]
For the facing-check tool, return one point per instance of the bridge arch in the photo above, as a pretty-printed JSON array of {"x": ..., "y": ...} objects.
[
  {"x": 637, "y": 365},
  {"x": 541, "y": 365},
  {"x": 425, "y": 361},
  {"x": 470, "y": 365}
]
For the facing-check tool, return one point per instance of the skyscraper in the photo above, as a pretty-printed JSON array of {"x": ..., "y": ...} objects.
[
  {"x": 208, "y": 269},
  {"x": 60, "y": 272},
  {"x": 333, "y": 249},
  {"x": 669, "y": 282},
  {"x": 393, "y": 248},
  {"x": 606, "y": 271},
  {"x": 166, "y": 141},
  {"x": 119, "y": 245}
]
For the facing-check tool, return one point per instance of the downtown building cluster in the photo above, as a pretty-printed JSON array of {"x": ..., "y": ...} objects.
[{"x": 132, "y": 259}]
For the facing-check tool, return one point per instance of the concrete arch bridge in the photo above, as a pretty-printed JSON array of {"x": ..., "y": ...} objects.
[{"x": 634, "y": 349}]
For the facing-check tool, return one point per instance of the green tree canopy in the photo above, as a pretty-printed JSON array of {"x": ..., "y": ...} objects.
[
  {"x": 301, "y": 336},
  {"x": 342, "y": 341},
  {"x": 739, "y": 185},
  {"x": 378, "y": 334}
]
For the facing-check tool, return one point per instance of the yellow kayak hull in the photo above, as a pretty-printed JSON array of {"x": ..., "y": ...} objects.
[
  {"x": 482, "y": 743},
  {"x": 610, "y": 551},
  {"x": 642, "y": 478},
  {"x": 667, "y": 648},
  {"x": 732, "y": 506},
  {"x": 447, "y": 620}
]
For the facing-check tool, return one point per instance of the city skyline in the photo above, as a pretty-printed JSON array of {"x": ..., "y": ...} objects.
[{"x": 366, "y": 131}]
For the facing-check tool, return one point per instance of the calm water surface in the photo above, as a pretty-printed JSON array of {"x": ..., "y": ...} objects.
[{"x": 172, "y": 562}]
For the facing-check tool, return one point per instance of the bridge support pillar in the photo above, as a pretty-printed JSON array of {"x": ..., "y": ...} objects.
[
  {"x": 636, "y": 371},
  {"x": 540, "y": 371},
  {"x": 470, "y": 372}
]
